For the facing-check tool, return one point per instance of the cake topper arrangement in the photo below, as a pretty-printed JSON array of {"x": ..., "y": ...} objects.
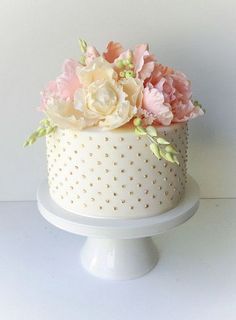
[{"x": 110, "y": 89}]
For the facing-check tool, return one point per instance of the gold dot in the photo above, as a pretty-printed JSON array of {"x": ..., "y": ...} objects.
[
  {"x": 146, "y": 161},
  {"x": 100, "y": 207},
  {"x": 108, "y": 186},
  {"x": 91, "y": 169},
  {"x": 130, "y": 147},
  {"x": 106, "y": 155},
  {"x": 131, "y": 193},
  {"x": 165, "y": 178},
  {"x": 160, "y": 202},
  {"x": 71, "y": 187},
  {"x": 146, "y": 206},
  {"x": 139, "y": 154},
  {"x": 166, "y": 193},
  {"x": 122, "y": 139},
  {"x": 123, "y": 201},
  {"x": 76, "y": 167},
  {"x": 106, "y": 170},
  {"x": 99, "y": 163},
  {"x": 122, "y": 156},
  {"x": 75, "y": 151},
  {"x": 107, "y": 201},
  {"x": 98, "y": 146},
  {"x": 90, "y": 154},
  {"x": 165, "y": 164},
  {"x": 82, "y": 145},
  {"x": 84, "y": 191},
  {"x": 146, "y": 191},
  {"x": 115, "y": 208},
  {"x": 106, "y": 139},
  {"x": 160, "y": 187},
  {"x": 131, "y": 207},
  {"x": 115, "y": 163},
  {"x": 153, "y": 196},
  {"x": 122, "y": 170},
  {"x": 139, "y": 185},
  {"x": 92, "y": 199},
  {"x": 98, "y": 178},
  {"x": 114, "y": 194},
  {"x": 115, "y": 178},
  {"x": 160, "y": 173},
  {"x": 139, "y": 169},
  {"x": 90, "y": 138},
  {"x": 123, "y": 186},
  {"x": 85, "y": 205},
  {"x": 91, "y": 184},
  {"x": 99, "y": 192},
  {"x": 145, "y": 176},
  {"x": 114, "y": 147},
  {"x": 83, "y": 176},
  {"x": 139, "y": 199},
  {"x": 131, "y": 163},
  {"x": 131, "y": 178},
  {"x": 154, "y": 182},
  {"x": 71, "y": 201}
]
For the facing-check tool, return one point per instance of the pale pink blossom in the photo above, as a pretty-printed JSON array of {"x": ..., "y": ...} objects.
[
  {"x": 153, "y": 103},
  {"x": 114, "y": 50},
  {"x": 177, "y": 93},
  {"x": 143, "y": 61},
  {"x": 65, "y": 85},
  {"x": 91, "y": 54}
]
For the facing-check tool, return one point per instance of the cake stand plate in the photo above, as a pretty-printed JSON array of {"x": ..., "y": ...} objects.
[{"x": 118, "y": 249}]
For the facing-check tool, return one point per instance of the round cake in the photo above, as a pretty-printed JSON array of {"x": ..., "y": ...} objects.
[
  {"x": 116, "y": 131},
  {"x": 113, "y": 173}
]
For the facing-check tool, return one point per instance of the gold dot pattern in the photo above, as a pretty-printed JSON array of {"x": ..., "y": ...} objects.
[{"x": 114, "y": 174}]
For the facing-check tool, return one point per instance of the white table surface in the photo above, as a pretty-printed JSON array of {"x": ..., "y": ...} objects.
[{"x": 41, "y": 279}]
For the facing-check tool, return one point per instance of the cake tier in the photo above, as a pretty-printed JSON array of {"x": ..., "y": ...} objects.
[{"x": 113, "y": 173}]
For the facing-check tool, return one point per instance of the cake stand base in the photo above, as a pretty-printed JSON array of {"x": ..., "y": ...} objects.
[
  {"x": 118, "y": 249},
  {"x": 119, "y": 259}
]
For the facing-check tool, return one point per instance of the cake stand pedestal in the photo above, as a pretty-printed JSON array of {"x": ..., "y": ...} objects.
[{"x": 118, "y": 249}]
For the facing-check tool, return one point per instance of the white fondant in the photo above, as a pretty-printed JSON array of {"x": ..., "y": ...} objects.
[{"x": 113, "y": 173}]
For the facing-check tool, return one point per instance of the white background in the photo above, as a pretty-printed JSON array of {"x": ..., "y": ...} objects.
[{"x": 195, "y": 36}]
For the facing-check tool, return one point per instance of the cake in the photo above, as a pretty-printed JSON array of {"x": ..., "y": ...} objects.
[{"x": 116, "y": 131}]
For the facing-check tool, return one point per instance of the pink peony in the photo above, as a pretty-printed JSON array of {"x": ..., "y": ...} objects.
[
  {"x": 177, "y": 93},
  {"x": 114, "y": 50},
  {"x": 153, "y": 103},
  {"x": 143, "y": 61},
  {"x": 64, "y": 87}
]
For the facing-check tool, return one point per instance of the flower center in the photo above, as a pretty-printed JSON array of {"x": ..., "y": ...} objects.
[{"x": 102, "y": 98}]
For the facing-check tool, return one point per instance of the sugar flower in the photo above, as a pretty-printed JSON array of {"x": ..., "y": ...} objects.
[{"x": 103, "y": 100}]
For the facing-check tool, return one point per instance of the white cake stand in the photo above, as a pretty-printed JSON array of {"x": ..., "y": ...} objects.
[{"x": 118, "y": 249}]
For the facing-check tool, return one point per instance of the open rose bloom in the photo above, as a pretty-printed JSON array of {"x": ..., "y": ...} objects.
[{"x": 107, "y": 90}]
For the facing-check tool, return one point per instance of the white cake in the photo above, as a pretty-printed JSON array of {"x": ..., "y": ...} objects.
[{"x": 113, "y": 173}]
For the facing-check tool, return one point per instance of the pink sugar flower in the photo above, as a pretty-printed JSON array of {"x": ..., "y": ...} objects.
[
  {"x": 143, "y": 61},
  {"x": 114, "y": 50},
  {"x": 65, "y": 85},
  {"x": 153, "y": 103}
]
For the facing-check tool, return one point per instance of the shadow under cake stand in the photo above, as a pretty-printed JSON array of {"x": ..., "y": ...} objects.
[{"x": 118, "y": 249}]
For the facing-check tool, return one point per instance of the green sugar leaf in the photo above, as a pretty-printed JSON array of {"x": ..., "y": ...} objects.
[
  {"x": 151, "y": 131},
  {"x": 154, "y": 148}
]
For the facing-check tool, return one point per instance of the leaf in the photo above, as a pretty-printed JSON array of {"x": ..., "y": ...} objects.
[
  {"x": 42, "y": 132},
  {"x": 83, "y": 45},
  {"x": 154, "y": 148},
  {"x": 176, "y": 160},
  {"x": 162, "y": 141},
  {"x": 170, "y": 149},
  {"x": 151, "y": 131},
  {"x": 140, "y": 131}
]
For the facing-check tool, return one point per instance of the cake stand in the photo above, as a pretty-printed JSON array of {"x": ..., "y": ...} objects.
[{"x": 118, "y": 249}]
